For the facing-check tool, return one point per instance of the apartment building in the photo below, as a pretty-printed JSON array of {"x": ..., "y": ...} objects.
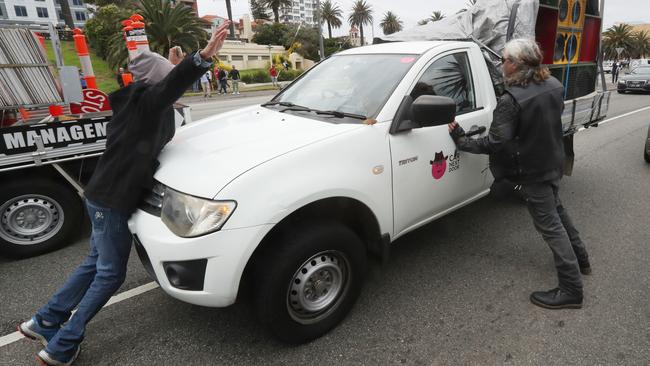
[
  {"x": 42, "y": 11},
  {"x": 300, "y": 11}
]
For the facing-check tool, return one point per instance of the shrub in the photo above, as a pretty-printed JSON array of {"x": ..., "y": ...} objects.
[
  {"x": 255, "y": 76},
  {"x": 289, "y": 75}
]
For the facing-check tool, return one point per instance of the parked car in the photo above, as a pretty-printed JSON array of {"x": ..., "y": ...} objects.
[{"x": 637, "y": 80}]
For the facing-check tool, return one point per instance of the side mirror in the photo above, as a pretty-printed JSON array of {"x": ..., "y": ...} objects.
[{"x": 429, "y": 110}]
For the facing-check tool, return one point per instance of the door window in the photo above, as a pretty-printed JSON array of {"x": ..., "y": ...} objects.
[{"x": 449, "y": 76}]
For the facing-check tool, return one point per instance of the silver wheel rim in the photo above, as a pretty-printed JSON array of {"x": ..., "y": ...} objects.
[
  {"x": 30, "y": 219},
  {"x": 317, "y": 287}
]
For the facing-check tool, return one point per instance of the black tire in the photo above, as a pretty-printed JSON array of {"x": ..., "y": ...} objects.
[
  {"x": 621, "y": 91},
  {"x": 646, "y": 156},
  {"x": 56, "y": 209},
  {"x": 278, "y": 303}
]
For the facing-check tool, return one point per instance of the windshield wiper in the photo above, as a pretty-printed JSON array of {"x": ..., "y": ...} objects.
[
  {"x": 337, "y": 114},
  {"x": 284, "y": 104}
]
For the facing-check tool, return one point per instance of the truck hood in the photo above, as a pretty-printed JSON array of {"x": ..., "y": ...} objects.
[{"x": 205, "y": 156}]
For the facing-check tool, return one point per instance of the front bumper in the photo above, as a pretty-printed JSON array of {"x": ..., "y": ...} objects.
[
  {"x": 633, "y": 87},
  {"x": 219, "y": 257}
]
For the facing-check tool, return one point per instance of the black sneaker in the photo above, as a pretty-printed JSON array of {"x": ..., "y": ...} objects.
[
  {"x": 556, "y": 299},
  {"x": 585, "y": 267}
]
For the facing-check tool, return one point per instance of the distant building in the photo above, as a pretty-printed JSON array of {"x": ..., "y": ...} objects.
[
  {"x": 42, "y": 11},
  {"x": 355, "y": 39},
  {"x": 244, "y": 27},
  {"x": 300, "y": 11}
]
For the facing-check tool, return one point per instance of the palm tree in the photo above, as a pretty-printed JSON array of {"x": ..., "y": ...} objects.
[
  {"x": 618, "y": 36},
  {"x": 331, "y": 13},
  {"x": 67, "y": 13},
  {"x": 166, "y": 26},
  {"x": 275, "y": 5},
  {"x": 391, "y": 23},
  {"x": 641, "y": 42},
  {"x": 436, "y": 16},
  {"x": 258, "y": 10},
  {"x": 361, "y": 14}
]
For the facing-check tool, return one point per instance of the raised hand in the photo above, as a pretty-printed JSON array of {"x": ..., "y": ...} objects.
[
  {"x": 216, "y": 42},
  {"x": 175, "y": 55}
]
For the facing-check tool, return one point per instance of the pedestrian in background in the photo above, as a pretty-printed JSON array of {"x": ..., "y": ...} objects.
[
  {"x": 615, "y": 67},
  {"x": 273, "y": 72},
  {"x": 223, "y": 81},
  {"x": 120, "y": 80},
  {"x": 142, "y": 123},
  {"x": 525, "y": 144},
  {"x": 206, "y": 85},
  {"x": 234, "y": 75},
  {"x": 82, "y": 80}
]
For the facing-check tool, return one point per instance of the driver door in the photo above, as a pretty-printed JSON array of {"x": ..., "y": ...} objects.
[{"x": 429, "y": 174}]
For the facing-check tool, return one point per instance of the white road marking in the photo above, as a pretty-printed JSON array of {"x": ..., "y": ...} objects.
[
  {"x": 16, "y": 336},
  {"x": 621, "y": 116}
]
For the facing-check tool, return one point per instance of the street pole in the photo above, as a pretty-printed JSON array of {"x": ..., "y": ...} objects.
[{"x": 320, "y": 31}]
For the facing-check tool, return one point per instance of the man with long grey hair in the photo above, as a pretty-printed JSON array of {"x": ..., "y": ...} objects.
[
  {"x": 525, "y": 144},
  {"x": 141, "y": 125}
]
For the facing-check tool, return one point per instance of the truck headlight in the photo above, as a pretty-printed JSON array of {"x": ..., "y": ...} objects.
[{"x": 188, "y": 216}]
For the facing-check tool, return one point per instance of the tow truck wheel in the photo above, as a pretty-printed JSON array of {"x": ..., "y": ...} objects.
[
  {"x": 309, "y": 282},
  {"x": 36, "y": 217}
]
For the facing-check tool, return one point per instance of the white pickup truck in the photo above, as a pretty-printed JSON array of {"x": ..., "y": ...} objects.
[{"x": 291, "y": 197}]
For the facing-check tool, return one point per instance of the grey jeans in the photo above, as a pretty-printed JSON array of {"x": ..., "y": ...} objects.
[{"x": 553, "y": 222}]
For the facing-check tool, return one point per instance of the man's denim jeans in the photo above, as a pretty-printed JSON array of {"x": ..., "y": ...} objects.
[
  {"x": 553, "y": 222},
  {"x": 93, "y": 282}
]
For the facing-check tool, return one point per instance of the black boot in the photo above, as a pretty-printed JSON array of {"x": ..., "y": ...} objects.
[
  {"x": 585, "y": 267},
  {"x": 556, "y": 299}
]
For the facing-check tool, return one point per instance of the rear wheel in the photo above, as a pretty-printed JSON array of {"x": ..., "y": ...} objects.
[
  {"x": 37, "y": 216},
  {"x": 309, "y": 281}
]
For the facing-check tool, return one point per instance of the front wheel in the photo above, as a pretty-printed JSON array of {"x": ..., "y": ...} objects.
[
  {"x": 37, "y": 216},
  {"x": 309, "y": 281}
]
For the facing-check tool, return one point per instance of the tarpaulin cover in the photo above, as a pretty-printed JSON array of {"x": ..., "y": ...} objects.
[{"x": 487, "y": 22}]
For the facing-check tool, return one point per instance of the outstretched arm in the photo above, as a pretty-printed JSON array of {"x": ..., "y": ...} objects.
[
  {"x": 172, "y": 87},
  {"x": 502, "y": 130}
]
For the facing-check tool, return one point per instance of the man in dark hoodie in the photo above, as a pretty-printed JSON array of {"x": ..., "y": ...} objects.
[{"x": 142, "y": 123}]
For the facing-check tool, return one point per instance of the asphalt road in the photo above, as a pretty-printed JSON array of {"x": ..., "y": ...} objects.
[{"x": 453, "y": 292}]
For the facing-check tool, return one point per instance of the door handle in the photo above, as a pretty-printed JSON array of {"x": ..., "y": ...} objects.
[{"x": 475, "y": 130}]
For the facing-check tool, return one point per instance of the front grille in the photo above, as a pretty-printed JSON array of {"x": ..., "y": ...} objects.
[
  {"x": 635, "y": 84},
  {"x": 153, "y": 200}
]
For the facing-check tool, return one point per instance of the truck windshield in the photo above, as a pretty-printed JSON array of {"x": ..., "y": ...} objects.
[{"x": 349, "y": 84}]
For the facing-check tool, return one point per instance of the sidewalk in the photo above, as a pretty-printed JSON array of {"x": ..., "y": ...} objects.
[{"x": 193, "y": 99}]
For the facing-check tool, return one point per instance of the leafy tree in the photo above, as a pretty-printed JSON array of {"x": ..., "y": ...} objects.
[
  {"x": 275, "y": 5},
  {"x": 391, "y": 23},
  {"x": 270, "y": 34},
  {"x": 334, "y": 45},
  {"x": 436, "y": 16},
  {"x": 361, "y": 15},
  {"x": 119, "y": 3},
  {"x": 104, "y": 24},
  {"x": 641, "y": 41},
  {"x": 258, "y": 10},
  {"x": 332, "y": 15},
  {"x": 166, "y": 26},
  {"x": 618, "y": 36},
  {"x": 305, "y": 37}
]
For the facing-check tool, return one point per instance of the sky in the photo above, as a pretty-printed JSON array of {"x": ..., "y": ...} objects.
[{"x": 410, "y": 11}]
